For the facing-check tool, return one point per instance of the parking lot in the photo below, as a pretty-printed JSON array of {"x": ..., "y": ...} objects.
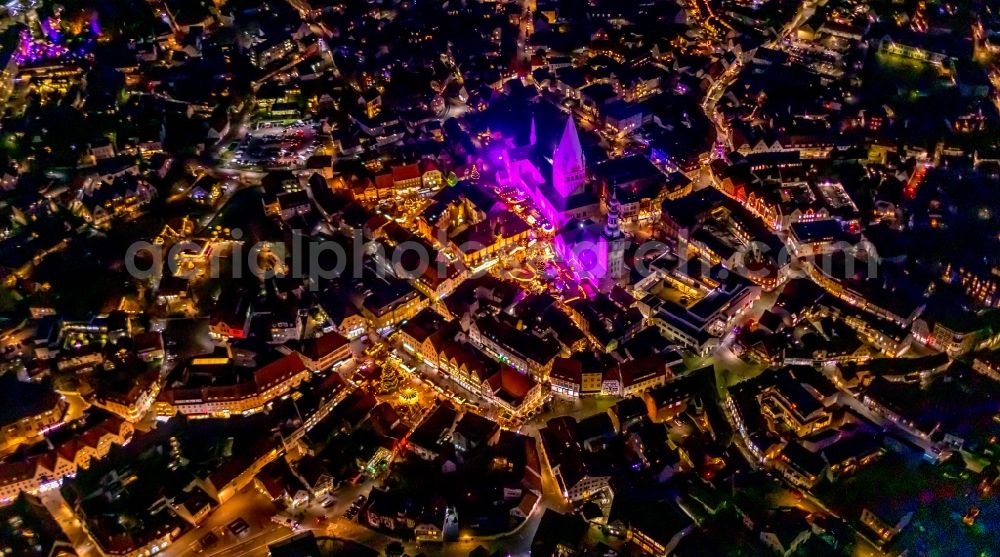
[{"x": 273, "y": 145}]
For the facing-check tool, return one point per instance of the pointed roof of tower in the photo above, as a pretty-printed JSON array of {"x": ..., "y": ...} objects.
[
  {"x": 569, "y": 152},
  {"x": 533, "y": 137}
]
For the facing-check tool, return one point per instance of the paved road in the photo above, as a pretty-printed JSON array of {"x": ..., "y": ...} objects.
[
  {"x": 257, "y": 510},
  {"x": 251, "y": 506},
  {"x": 577, "y": 408},
  {"x": 726, "y": 80},
  {"x": 70, "y": 524}
]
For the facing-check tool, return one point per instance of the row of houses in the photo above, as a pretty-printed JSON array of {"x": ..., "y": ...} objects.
[
  {"x": 46, "y": 471},
  {"x": 271, "y": 381}
]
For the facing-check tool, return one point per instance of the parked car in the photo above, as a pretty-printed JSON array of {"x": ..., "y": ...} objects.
[
  {"x": 239, "y": 528},
  {"x": 208, "y": 541}
]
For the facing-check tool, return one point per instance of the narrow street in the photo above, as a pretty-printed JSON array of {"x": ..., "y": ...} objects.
[{"x": 70, "y": 524}]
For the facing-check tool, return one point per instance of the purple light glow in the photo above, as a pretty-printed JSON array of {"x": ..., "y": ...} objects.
[
  {"x": 582, "y": 246},
  {"x": 50, "y": 28},
  {"x": 585, "y": 253},
  {"x": 522, "y": 176},
  {"x": 30, "y": 50}
]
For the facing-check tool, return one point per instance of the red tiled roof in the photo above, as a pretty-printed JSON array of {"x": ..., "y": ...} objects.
[
  {"x": 635, "y": 371},
  {"x": 567, "y": 369},
  {"x": 332, "y": 383},
  {"x": 217, "y": 394},
  {"x": 427, "y": 165},
  {"x": 511, "y": 382},
  {"x": 112, "y": 425},
  {"x": 405, "y": 172},
  {"x": 47, "y": 461},
  {"x": 463, "y": 355},
  {"x": 91, "y": 438},
  {"x": 317, "y": 348},
  {"x": 278, "y": 370},
  {"x": 20, "y": 470},
  {"x": 69, "y": 449},
  {"x": 17, "y": 471}
]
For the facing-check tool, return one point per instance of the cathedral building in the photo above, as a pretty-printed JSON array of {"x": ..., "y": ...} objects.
[
  {"x": 558, "y": 187},
  {"x": 564, "y": 193}
]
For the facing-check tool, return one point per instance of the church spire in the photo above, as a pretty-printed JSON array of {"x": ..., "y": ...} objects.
[
  {"x": 569, "y": 171},
  {"x": 533, "y": 137},
  {"x": 569, "y": 149}
]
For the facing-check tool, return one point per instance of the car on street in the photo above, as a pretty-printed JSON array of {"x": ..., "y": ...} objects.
[
  {"x": 286, "y": 521},
  {"x": 355, "y": 507},
  {"x": 239, "y": 528},
  {"x": 208, "y": 541}
]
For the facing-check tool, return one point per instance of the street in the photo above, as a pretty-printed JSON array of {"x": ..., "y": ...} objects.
[
  {"x": 251, "y": 506},
  {"x": 70, "y": 524}
]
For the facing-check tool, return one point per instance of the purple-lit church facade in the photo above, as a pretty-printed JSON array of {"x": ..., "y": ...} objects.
[
  {"x": 582, "y": 245},
  {"x": 51, "y": 43},
  {"x": 580, "y": 242}
]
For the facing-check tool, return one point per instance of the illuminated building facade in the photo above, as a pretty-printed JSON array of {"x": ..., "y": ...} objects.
[
  {"x": 616, "y": 242},
  {"x": 566, "y": 196},
  {"x": 37, "y": 410},
  {"x": 43, "y": 472},
  {"x": 326, "y": 351},
  {"x": 133, "y": 403},
  {"x": 583, "y": 246},
  {"x": 269, "y": 382}
]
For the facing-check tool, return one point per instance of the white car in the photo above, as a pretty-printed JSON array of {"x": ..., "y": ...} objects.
[{"x": 285, "y": 521}]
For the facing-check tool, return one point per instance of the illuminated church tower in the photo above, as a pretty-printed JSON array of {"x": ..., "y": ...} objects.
[
  {"x": 569, "y": 169},
  {"x": 616, "y": 241}
]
